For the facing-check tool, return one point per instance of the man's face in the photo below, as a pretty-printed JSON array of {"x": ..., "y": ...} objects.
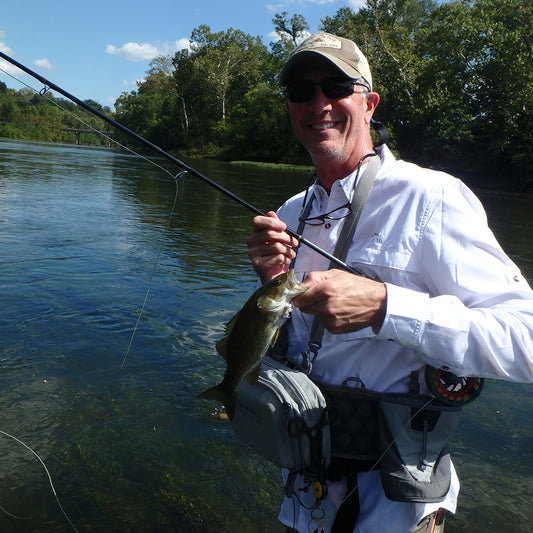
[{"x": 333, "y": 131}]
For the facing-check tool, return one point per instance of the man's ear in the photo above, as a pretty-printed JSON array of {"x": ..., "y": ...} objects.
[{"x": 372, "y": 101}]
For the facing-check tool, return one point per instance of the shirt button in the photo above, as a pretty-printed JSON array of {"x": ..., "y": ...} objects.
[{"x": 327, "y": 225}]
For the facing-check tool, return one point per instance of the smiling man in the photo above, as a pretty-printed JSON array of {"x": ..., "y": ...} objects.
[
  {"x": 335, "y": 131},
  {"x": 436, "y": 292}
]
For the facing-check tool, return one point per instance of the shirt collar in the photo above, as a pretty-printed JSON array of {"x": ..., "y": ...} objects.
[{"x": 341, "y": 191}]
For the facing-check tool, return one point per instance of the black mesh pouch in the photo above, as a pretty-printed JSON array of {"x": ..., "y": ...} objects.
[{"x": 353, "y": 417}]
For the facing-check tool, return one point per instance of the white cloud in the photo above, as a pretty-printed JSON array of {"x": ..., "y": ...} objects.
[
  {"x": 146, "y": 51},
  {"x": 133, "y": 51},
  {"x": 43, "y": 63},
  {"x": 4, "y": 48},
  {"x": 7, "y": 67},
  {"x": 289, "y": 4},
  {"x": 286, "y": 4},
  {"x": 168, "y": 48},
  {"x": 133, "y": 83},
  {"x": 356, "y": 5}
]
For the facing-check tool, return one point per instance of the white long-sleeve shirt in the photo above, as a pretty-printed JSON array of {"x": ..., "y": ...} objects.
[{"x": 454, "y": 300}]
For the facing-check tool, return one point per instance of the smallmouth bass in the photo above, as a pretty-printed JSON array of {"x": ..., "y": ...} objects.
[{"x": 250, "y": 333}]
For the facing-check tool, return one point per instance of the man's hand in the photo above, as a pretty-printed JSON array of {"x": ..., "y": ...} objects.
[
  {"x": 270, "y": 249},
  {"x": 343, "y": 302}
]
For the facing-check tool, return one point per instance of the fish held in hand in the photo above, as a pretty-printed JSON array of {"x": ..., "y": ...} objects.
[{"x": 250, "y": 333}]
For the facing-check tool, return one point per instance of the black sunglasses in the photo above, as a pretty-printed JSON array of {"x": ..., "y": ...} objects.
[{"x": 299, "y": 91}]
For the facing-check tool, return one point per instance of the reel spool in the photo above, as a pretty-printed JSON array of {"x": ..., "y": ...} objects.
[{"x": 451, "y": 389}]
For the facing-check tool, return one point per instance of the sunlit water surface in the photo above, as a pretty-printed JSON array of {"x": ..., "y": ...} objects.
[{"x": 87, "y": 238}]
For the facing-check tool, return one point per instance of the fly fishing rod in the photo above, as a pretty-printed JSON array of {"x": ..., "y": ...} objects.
[{"x": 50, "y": 85}]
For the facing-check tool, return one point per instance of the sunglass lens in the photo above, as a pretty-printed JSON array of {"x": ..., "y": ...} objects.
[
  {"x": 337, "y": 88},
  {"x": 300, "y": 91}
]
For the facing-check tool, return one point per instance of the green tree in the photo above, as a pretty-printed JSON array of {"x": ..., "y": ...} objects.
[
  {"x": 475, "y": 86},
  {"x": 7, "y": 109},
  {"x": 455, "y": 79},
  {"x": 260, "y": 129},
  {"x": 290, "y": 33},
  {"x": 214, "y": 75},
  {"x": 503, "y": 97},
  {"x": 152, "y": 110}
]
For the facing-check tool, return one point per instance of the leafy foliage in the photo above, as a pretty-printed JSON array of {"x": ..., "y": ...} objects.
[
  {"x": 27, "y": 115},
  {"x": 455, "y": 80}
]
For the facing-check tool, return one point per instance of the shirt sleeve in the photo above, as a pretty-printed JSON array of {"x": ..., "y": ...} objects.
[{"x": 475, "y": 314}]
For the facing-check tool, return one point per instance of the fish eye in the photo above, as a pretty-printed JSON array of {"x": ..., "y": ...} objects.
[{"x": 277, "y": 283}]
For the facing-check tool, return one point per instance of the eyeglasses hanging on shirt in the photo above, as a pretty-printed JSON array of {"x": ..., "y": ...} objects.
[{"x": 335, "y": 214}]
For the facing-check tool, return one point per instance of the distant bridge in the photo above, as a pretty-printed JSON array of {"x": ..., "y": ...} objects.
[{"x": 78, "y": 132}]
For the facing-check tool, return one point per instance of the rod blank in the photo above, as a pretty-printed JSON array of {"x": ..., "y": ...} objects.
[{"x": 166, "y": 155}]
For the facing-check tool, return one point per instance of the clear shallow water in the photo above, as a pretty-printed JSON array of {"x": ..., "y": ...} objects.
[{"x": 131, "y": 449}]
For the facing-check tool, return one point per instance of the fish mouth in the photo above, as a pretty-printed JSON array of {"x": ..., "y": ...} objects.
[
  {"x": 293, "y": 286},
  {"x": 279, "y": 299}
]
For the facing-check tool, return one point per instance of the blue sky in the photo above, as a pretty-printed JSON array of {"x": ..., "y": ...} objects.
[{"x": 99, "y": 49}]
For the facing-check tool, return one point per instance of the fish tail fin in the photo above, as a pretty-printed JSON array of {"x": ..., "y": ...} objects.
[{"x": 220, "y": 394}]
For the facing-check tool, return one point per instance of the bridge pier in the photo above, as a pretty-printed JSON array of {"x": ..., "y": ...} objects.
[{"x": 78, "y": 132}]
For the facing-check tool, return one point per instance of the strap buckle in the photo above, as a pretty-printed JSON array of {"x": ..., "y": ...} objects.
[{"x": 308, "y": 358}]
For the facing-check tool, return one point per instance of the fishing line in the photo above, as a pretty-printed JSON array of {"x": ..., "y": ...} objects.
[
  {"x": 176, "y": 179},
  {"x": 387, "y": 449},
  {"x": 5, "y": 511},
  {"x": 50, "y": 85},
  {"x": 43, "y": 92},
  {"x": 47, "y": 473}
]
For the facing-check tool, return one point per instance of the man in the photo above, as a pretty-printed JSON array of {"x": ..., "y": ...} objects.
[{"x": 436, "y": 288}]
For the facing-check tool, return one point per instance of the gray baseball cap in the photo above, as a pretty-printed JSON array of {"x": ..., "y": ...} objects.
[{"x": 343, "y": 53}]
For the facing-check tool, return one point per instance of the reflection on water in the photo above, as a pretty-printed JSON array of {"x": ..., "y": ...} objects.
[{"x": 81, "y": 230}]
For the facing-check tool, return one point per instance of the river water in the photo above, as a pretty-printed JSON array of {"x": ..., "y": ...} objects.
[{"x": 86, "y": 239}]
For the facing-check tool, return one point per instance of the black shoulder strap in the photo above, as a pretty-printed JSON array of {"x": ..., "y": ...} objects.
[{"x": 360, "y": 196}]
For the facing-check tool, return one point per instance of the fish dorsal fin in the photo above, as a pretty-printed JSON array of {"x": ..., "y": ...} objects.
[
  {"x": 231, "y": 323},
  {"x": 222, "y": 344},
  {"x": 253, "y": 375},
  {"x": 222, "y": 347}
]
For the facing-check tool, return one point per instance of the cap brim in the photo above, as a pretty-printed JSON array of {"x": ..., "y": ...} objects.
[{"x": 292, "y": 63}]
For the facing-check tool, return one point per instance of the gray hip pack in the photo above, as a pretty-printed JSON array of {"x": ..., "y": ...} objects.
[
  {"x": 405, "y": 436},
  {"x": 303, "y": 426},
  {"x": 284, "y": 418}
]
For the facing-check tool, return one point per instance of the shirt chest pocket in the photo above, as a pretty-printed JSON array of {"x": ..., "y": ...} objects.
[{"x": 385, "y": 260}]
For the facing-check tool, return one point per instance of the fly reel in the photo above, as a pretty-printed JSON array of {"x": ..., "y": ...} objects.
[{"x": 451, "y": 389}]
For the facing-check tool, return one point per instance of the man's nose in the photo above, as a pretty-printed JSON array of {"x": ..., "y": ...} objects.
[{"x": 319, "y": 102}]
